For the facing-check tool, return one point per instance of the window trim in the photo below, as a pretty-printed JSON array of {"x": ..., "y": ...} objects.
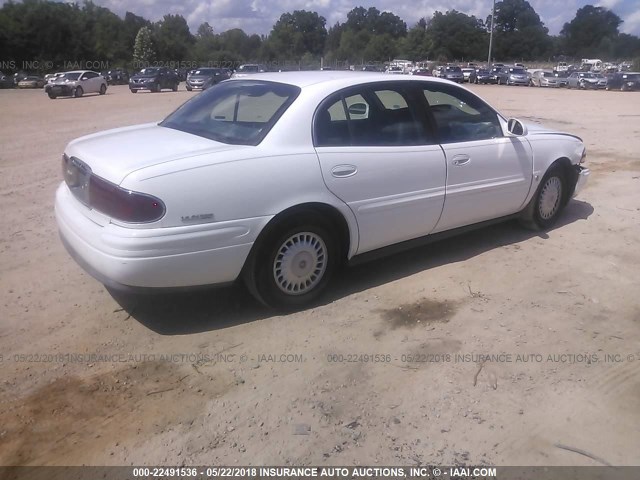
[
  {"x": 406, "y": 87},
  {"x": 434, "y": 123},
  {"x": 268, "y": 125}
]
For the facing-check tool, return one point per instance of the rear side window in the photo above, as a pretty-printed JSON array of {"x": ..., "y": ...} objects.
[
  {"x": 369, "y": 117},
  {"x": 241, "y": 112}
]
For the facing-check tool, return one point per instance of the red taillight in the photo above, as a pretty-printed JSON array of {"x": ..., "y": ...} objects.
[
  {"x": 121, "y": 204},
  {"x": 108, "y": 198}
]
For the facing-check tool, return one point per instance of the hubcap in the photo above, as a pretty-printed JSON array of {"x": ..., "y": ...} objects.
[
  {"x": 550, "y": 198},
  {"x": 300, "y": 263}
]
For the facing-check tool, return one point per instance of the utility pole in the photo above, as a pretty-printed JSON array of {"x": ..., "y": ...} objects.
[{"x": 493, "y": 13}]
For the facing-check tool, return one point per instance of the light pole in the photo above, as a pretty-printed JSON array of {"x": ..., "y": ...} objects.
[{"x": 493, "y": 12}]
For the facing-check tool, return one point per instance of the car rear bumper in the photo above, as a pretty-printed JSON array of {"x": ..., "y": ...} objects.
[{"x": 158, "y": 258}]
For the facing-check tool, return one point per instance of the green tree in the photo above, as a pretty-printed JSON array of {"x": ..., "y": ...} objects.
[
  {"x": 172, "y": 38},
  {"x": 519, "y": 32},
  {"x": 417, "y": 45},
  {"x": 626, "y": 46},
  {"x": 380, "y": 48},
  {"x": 206, "y": 43},
  {"x": 375, "y": 22},
  {"x": 585, "y": 34},
  {"x": 352, "y": 45},
  {"x": 299, "y": 32},
  {"x": 332, "y": 42},
  {"x": 143, "y": 51},
  {"x": 456, "y": 36}
]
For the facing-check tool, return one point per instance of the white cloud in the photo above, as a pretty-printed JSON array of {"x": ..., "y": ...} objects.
[
  {"x": 631, "y": 23},
  {"x": 608, "y": 3}
]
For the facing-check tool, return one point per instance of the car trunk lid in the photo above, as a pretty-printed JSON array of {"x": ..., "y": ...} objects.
[{"x": 114, "y": 154}]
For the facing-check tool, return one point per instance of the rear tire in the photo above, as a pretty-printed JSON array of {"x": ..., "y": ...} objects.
[
  {"x": 52, "y": 95},
  {"x": 292, "y": 265},
  {"x": 548, "y": 202},
  {"x": 175, "y": 87},
  {"x": 79, "y": 92}
]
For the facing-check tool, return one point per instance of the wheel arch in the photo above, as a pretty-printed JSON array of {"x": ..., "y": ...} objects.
[
  {"x": 570, "y": 173},
  {"x": 345, "y": 235}
]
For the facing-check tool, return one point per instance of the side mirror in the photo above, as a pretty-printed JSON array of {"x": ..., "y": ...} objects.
[
  {"x": 517, "y": 128},
  {"x": 358, "y": 109}
]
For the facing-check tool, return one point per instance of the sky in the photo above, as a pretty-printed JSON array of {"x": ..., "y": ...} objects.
[{"x": 258, "y": 16}]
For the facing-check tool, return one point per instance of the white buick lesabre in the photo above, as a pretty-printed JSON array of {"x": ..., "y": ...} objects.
[{"x": 280, "y": 178}]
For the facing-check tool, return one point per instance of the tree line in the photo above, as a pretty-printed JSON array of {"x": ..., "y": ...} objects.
[{"x": 59, "y": 32}]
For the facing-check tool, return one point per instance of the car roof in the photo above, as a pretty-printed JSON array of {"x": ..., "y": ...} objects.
[{"x": 332, "y": 78}]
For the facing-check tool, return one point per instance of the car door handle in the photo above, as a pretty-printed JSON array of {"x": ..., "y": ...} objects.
[
  {"x": 460, "y": 160},
  {"x": 343, "y": 171}
]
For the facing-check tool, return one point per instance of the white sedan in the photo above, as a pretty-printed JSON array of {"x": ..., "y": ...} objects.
[
  {"x": 76, "y": 84},
  {"x": 280, "y": 178}
]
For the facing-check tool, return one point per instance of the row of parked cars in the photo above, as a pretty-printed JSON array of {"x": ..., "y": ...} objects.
[
  {"x": 79, "y": 82},
  {"x": 518, "y": 74}
]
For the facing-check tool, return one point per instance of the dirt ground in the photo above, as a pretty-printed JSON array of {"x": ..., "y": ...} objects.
[{"x": 387, "y": 372}]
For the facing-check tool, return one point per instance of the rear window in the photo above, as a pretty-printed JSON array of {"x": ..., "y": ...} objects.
[
  {"x": 249, "y": 68},
  {"x": 207, "y": 71},
  {"x": 236, "y": 112}
]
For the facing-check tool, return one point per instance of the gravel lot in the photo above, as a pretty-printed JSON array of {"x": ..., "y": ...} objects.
[{"x": 212, "y": 378}]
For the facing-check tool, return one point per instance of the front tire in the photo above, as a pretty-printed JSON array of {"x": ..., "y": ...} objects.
[
  {"x": 52, "y": 95},
  {"x": 293, "y": 264},
  {"x": 548, "y": 202},
  {"x": 79, "y": 92},
  {"x": 103, "y": 89}
]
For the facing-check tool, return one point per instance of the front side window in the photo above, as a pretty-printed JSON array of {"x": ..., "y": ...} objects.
[
  {"x": 71, "y": 76},
  {"x": 237, "y": 113},
  {"x": 461, "y": 116},
  {"x": 372, "y": 116}
]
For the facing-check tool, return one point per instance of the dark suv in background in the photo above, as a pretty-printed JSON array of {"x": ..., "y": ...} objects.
[
  {"x": 625, "y": 81},
  {"x": 450, "y": 72},
  {"x": 204, "y": 78},
  {"x": 154, "y": 79},
  {"x": 116, "y": 77}
]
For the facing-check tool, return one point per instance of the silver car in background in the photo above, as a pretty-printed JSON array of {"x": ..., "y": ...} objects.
[
  {"x": 586, "y": 80},
  {"x": 544, "y": 78},
  {"x": 518, "y": 76}
]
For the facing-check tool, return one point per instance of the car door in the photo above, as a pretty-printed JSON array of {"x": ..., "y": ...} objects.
[
  {"x": 377, "y": 156},
  {"x": 489, "y": 174},
  {"x": 87, "y": 82},
  {"x": 573, "y": 80}
]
